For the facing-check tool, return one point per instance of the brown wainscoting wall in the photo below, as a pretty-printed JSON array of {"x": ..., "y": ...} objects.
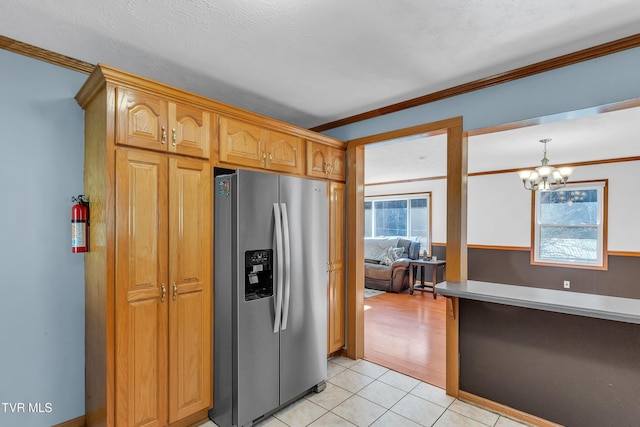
[
  {"x": 513, "y": 267},
  {"x": 572, "y": 370}
]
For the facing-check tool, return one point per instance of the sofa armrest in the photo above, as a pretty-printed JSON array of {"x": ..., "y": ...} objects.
[{"x": 400, "y": 263}]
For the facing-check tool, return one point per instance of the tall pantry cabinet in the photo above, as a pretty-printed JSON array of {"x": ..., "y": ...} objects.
[{"x": 148, "y": 270}]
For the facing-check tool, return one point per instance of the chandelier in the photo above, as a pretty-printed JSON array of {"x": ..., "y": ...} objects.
[{"x": 545, "y": 177}]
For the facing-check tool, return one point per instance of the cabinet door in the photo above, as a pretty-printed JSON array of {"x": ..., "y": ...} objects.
[
  {"x": 336, "y": 167},
  {"x": 336, "y": 321},
  {"x": 141, "y": 120},
  {"x": 189, "y": 131},
  {"x": 316, "y": 159},
  {"x": 141, "y": 288},
  {"x": 242, "y": 143},
  {"x": 190, "y": 317},
  {"x": 325, "y": 162},
  {"x": 284, "y": 152}
]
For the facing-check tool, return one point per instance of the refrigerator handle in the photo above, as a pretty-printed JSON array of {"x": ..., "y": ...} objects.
[
  {"x": 278, "y": 299},
  {"x": 287, "y": 265}
]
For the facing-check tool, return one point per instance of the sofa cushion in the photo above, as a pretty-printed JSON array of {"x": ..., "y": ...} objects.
[
  {"x": 376, "y": 247},
  {"x": 391, "y": 255}
]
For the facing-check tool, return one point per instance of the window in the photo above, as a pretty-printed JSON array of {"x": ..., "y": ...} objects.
[
  {"x": 399, "y": 216},
  {"x": 570, "y": 226}
]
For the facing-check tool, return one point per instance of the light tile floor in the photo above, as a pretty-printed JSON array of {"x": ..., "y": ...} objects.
[{"x": 360, "y": 393}]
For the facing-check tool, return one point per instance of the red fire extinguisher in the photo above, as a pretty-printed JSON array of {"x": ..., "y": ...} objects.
[{"x": 80, "y": 224}]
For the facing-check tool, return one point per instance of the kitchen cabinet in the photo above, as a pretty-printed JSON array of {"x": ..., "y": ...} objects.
[
  {"x": 149, "y": 152},
  {"x": 337, "y": 238},
  {"x": 148, "y": 271},
  {"x": 251, "y": 145},
  {"x": 324, "y": 161},
  {"x": 155, "y": 123}
]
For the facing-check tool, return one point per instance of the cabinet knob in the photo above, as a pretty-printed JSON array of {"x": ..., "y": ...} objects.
[
  {"x": 164, "y": 292},
  {"x": 175, "y": 291},
  {"x": 173, "y": 137},
  {"x": 164, "y": 135}
]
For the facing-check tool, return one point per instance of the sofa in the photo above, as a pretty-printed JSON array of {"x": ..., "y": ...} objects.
[{"x": 386, "y": 262}]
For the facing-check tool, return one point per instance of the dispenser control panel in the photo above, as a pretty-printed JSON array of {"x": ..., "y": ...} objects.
[{"x": 258, "y": 266}]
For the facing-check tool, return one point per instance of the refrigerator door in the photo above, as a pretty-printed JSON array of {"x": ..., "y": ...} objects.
[
  {"x": 257, "y": 367},
  {"x": 303, "y": 344}
]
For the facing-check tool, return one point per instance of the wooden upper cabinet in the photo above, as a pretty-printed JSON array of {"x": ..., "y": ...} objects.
[
  {"x": 284, "y": 152},
  {"x": 151, "y": 122},
  {"x": 189, "y": 131},
  {"x": 142, "y": 120},
  {"x": 251, "y": 145},
  {"x": 324, "y": 161},
  {"x": 241, "y": 143}
]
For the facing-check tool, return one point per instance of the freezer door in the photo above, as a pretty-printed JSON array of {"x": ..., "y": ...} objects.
[
  {"x": 303, "y": 343},
  {"x": 257, "y": 345}
]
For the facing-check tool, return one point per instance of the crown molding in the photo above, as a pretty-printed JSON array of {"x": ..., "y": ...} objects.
[{"x": 45, "y": 55}]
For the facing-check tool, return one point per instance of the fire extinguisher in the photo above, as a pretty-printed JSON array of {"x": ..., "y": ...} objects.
[{"x": 80, "y": 224}]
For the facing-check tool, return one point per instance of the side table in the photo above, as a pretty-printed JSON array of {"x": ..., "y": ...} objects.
[{"x": 422, "y": 264}]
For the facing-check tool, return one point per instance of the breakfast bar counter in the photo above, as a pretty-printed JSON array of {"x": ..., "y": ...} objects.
[{"x": 565, "y": 357}]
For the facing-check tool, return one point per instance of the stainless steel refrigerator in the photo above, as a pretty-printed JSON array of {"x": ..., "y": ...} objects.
[{"x": 270, "y": 332}]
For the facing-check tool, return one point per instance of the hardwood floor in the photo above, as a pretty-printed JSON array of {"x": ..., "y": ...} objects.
[{"x": 407, "y": 333}]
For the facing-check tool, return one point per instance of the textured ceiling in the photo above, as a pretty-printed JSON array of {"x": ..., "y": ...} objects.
[{"x": 310, "y": 62}]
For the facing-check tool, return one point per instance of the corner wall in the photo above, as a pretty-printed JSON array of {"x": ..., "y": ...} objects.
[{"x": 42, "y": 299}]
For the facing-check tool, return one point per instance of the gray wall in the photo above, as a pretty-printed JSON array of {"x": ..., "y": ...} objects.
[
  {"x": 587, "y": 84},
  {"x": 42, "y": 299}
]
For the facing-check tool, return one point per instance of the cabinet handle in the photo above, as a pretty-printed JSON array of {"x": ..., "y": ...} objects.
[
  {"x": 328, "y": 168},
  {"x": 264, "y": 156},
  {"x": 175, "y": 291},
  {"x": 173, "y": 136},
  {"x": 164, "y": 292},
  {"x": 164, "y": 135},
  {"x": 270, "y": 157}
]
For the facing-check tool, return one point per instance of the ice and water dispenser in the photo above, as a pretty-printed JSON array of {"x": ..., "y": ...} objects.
[{"x": 258, "y": 278}]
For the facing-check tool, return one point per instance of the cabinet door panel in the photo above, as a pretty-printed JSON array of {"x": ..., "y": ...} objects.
[
  {"x": 284, "y": 152},
  {"x": 316, "y": 159},
  {"x": 337, "y": 167},
  {"x": 337, "y": 200},
  {"x": 190, "y": 314},
  {"x": 141, "y": 273},
  {"x": 141, "y": 120},
  {"x": 242, "y": 143},
  {"x": 189, "y": 130}
]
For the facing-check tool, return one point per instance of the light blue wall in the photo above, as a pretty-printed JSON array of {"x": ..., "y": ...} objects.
[
  {"x": 42, "y": 285},
  {"x": 604, "y": 80}
]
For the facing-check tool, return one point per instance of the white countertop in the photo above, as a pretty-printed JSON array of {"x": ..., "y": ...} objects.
[{"x": 590, "y": 305}]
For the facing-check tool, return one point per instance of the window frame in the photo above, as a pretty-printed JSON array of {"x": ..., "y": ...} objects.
[
  {"x": 407, "y": 196},
  {"x": 602, "y": 185}
]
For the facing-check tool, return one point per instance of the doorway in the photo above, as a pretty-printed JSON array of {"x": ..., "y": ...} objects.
[{"x": 455, "y": 234}]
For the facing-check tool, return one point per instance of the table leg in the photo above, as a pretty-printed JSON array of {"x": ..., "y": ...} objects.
[
  {"x": 411, "y": 279},
  {"x": 435, "y": 278}
]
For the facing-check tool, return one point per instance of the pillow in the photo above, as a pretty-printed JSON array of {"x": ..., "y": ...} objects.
[{"x": 391, "y": 255}]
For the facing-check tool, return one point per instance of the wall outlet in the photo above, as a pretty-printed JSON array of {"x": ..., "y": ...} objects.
[{"x": 567, "y": 284}]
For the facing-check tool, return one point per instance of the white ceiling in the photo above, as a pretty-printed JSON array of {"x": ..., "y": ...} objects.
[{"x": 309, "y": 62}]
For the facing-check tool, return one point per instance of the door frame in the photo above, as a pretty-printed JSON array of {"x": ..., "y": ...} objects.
[{"x": 456, "y": 250}]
